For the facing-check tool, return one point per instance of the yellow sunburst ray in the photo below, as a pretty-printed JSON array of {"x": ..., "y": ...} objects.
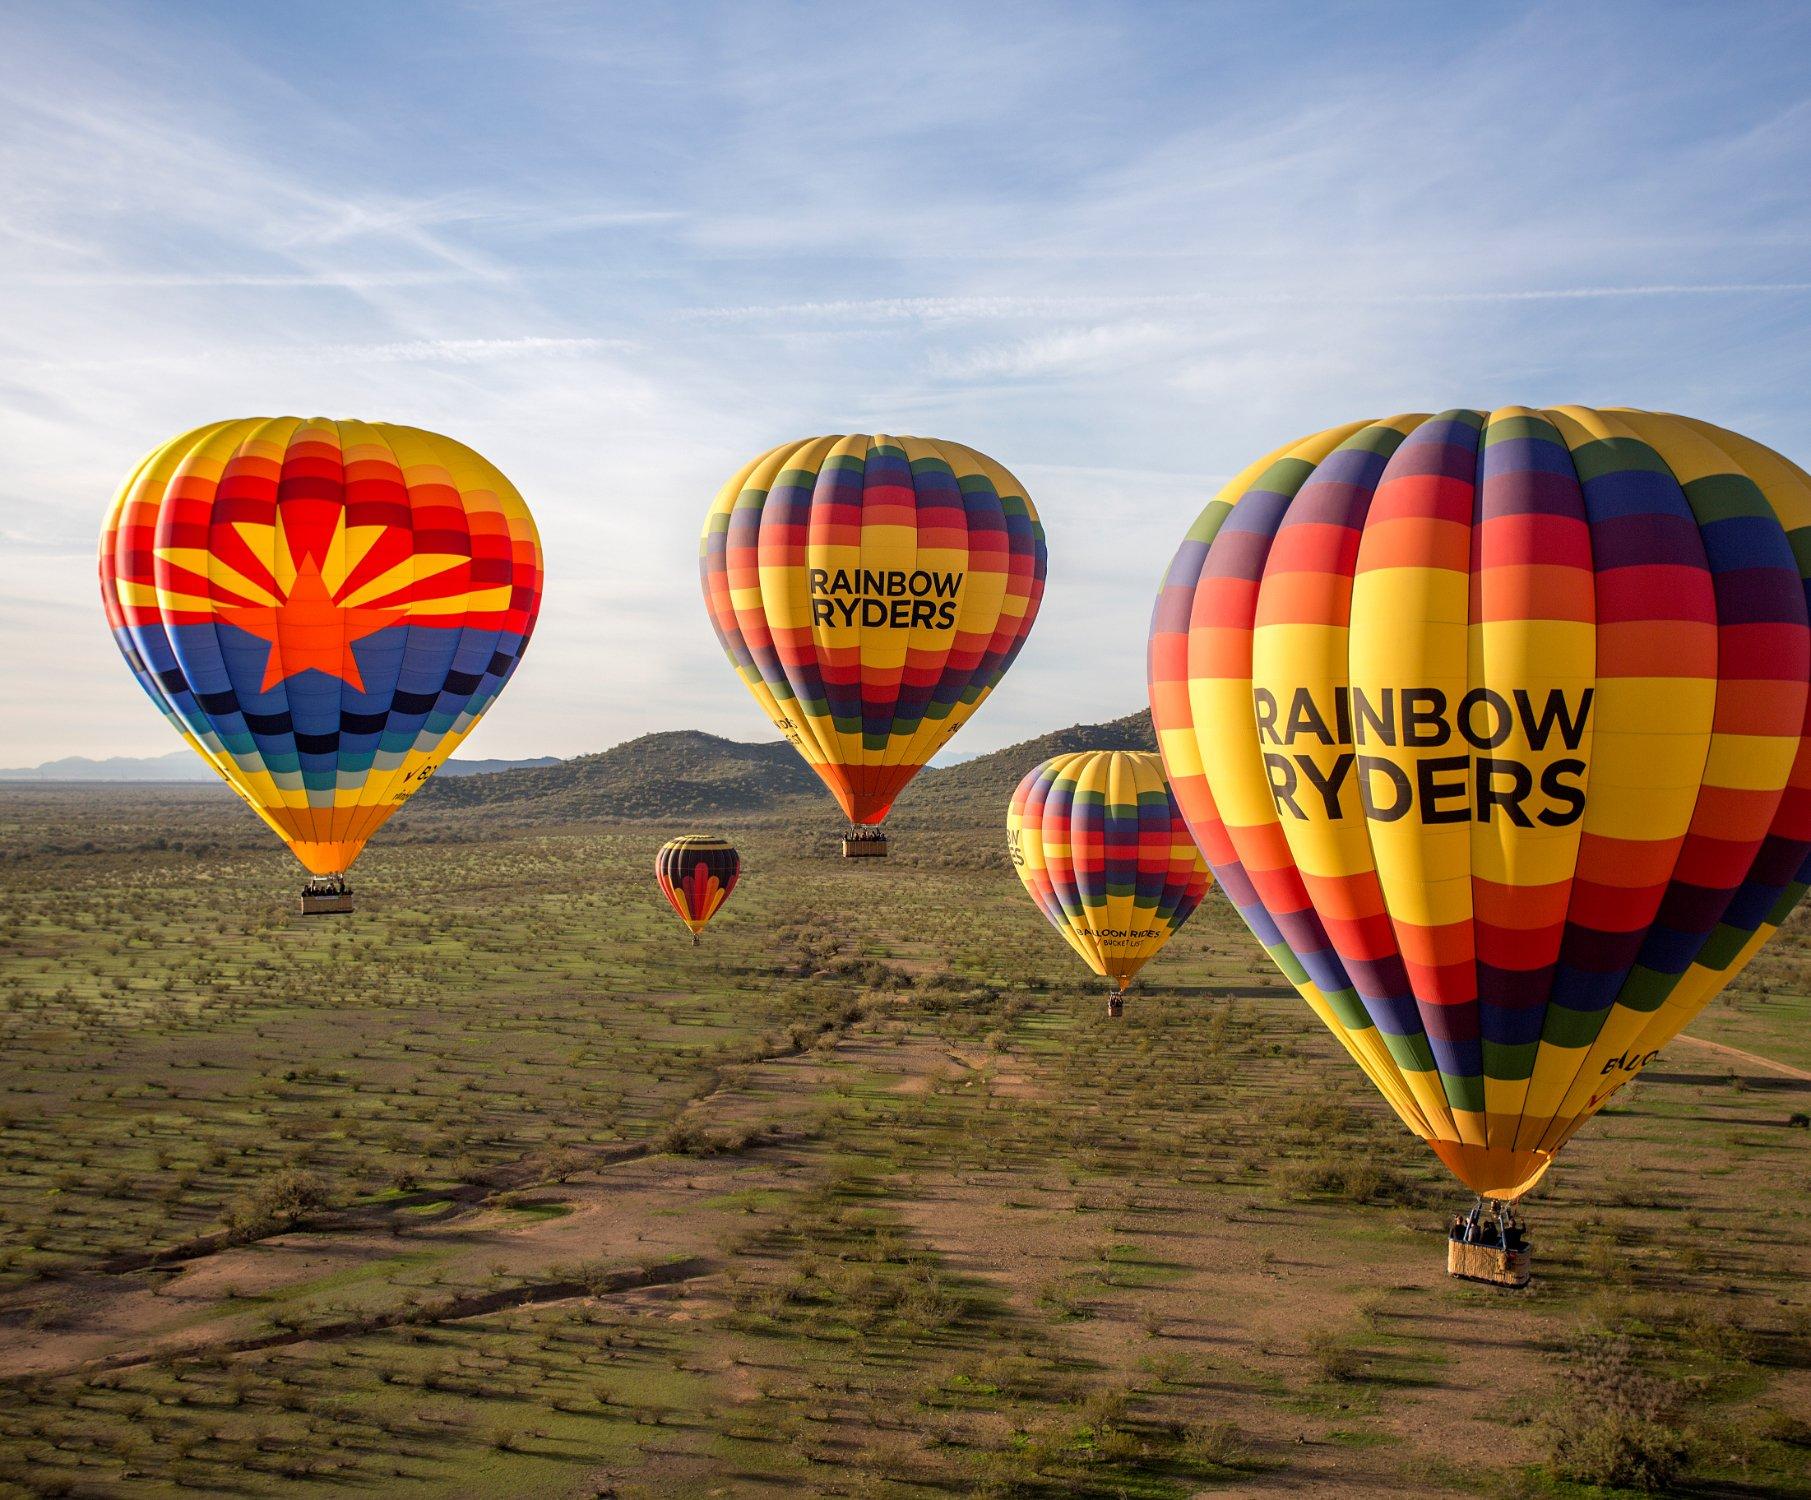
[
  {"x": 410, "y": 571},
  {"x": 219, "y": 574},
  {"x": 475, "y": 603}
]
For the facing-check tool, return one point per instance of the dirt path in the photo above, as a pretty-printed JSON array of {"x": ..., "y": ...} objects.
[
  {"x": 613, "y": 1223},
  {"x": 1247, "y": 1299},
  {"x": 448, "y": 1310},
  {"x": 629, "y": 1215},
  {"x": 1246, "y": 1294},
  {"x": 1752, "y": 1058}
]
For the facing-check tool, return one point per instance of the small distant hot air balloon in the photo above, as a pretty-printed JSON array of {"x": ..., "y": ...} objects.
[
  {"x": 1492, "y": 724},
  {"x": 871, "y": 591},
  {"x": 696, "y": 874},
  {"x": 323, "y": 610},
  {"x": 1100, "y": 844}
]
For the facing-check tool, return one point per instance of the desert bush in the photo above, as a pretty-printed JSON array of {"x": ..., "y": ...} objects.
[
  {"x": 1220, "y": 1445},
  {"x": 688, "y": 1138},
  {"x": 279, "y": 1200},
  {"x": 1613, "y": 1423},
  {"x": 1334, "y": 1360},
  {"x": 1344, "y": 1173}
]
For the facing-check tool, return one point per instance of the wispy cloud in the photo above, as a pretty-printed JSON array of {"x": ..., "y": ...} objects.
[
  {"x": 1063, "y": 351},
  {"x": 997, "y": 309},
  {"x": 1120, "y": 247}
]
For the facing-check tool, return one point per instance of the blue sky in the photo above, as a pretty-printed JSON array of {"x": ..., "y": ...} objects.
[{"x": 1122, "y": 248}]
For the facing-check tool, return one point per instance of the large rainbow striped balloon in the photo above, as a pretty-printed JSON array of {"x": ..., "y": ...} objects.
[
  {"x": 870, "y": 592},
  {"x": 1492, "y": 725},
  {"x": 1100, "y": 845},
  {"x": 322, "y": 609}
]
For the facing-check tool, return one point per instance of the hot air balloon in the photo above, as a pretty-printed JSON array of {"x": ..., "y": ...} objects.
[
  {"x": 1099, "y": 842},
  {"x": 871, "y": 591},
  {"x": 696, "y": 874},
  {"x": 1492, "y": 724},
  {"x": 323, "y": 610}
]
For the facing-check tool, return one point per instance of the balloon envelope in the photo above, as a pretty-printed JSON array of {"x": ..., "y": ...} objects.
[
  {"x": 1492, "y": 724},
  {"x": 322, "y": 609},
  {"x": 696, "y": 874},
  {"x": 870, "y": 592},
  {"x": 1101, "y": 846}
]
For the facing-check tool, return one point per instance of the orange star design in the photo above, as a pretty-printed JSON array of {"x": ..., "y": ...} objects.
[{"x": 309, "y": 630}]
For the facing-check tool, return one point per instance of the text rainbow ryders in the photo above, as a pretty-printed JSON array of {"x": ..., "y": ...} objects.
[{"x": 1473, "y": 782}]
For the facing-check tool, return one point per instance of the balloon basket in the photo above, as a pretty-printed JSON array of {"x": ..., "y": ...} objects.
[
  {"x": 865, "y": 846},
  {"x": 1489, "y": 1244},
  {"x": 1116, "y": 1005},
  {"x": 326, "y": 896}
]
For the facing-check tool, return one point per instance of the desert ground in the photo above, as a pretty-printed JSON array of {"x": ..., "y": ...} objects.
[{"x": 499, "y": 1187}]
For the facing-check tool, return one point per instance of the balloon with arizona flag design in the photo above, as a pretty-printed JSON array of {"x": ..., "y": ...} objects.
[
  {"x": 696, "y": 874},
  {"x": 322, "y": 610}
]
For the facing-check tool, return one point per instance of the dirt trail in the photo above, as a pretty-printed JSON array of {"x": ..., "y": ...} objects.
[
  {"x": 1244, "y": 1291},
  {"x": 622, "y": 1223},
  {"x": 628, "y": 1208},
  {"x": 447, "y": 1310},
  {"x": 1754, "y": 1059},
  {"x": 425, "y": 1206},
  {"x": 1246, "y": 1299}
]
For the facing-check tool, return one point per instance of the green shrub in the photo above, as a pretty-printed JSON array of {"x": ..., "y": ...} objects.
[
  {"x": 1613, "y": 1423},
  {"x": 1220, "y": 1445},
  {"x": 278, "y": 1201}
]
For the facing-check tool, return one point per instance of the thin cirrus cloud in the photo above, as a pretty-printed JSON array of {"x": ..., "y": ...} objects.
[
  {"x": 990, "y": 309},
  {"x": 1121, "y": 247}
]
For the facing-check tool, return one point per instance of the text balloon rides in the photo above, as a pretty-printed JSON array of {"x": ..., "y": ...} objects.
[
  {"x": 1492, "y": 724},
  {"x": 323, "y": 610},
  {"x": 871, "y": 591},
  {"x": 696, "y": 874},
  {"x": 1101, "y": 846}
]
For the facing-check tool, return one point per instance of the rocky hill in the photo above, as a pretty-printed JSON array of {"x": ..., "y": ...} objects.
[
  {"x": 675, "y": 774},
  {"x": 685, "y": 774},
  {"x": 978, "y": 790}
]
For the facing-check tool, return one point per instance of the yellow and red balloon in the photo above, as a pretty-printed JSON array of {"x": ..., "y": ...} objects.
[
  {"x": 322, "y": 609},
  {"x": 1493, "y": 726},
  {"x": 1100, "y": 845},
  {"x": 696, "y": 872},
  {"x": 871, "y": 591}
]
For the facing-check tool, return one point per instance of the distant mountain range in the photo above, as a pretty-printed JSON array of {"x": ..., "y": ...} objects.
[
  {"x": 677, "y": 774},
  {"x": 684, "y": 773},
  {"x": 185, "y": 765},
  {"x": 979, "y": 789}
]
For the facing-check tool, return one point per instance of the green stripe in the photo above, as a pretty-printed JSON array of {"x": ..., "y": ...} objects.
[
  {"x": 1463, "y": 1093},
  {"x": 1510, "y": 1063},
  {"x": 1412, "y": 1053},
  {"x": 1509, "y": 429},
  {"x": 1720, "y": 497},
  {"x": 1617, "y": 455},
  {"x": 1645, "y": 989},
  {"x": 1572, "y": 1028}
]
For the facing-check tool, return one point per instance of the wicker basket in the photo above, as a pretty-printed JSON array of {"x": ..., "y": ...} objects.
[
  {"x": 1489, "y": 1263},
  {"x": 864, "y": 848},
  {"x": 326, "y": 905}
]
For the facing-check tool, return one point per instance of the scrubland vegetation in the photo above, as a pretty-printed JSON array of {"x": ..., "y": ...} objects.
[{"x": 499, "y": 1187}]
